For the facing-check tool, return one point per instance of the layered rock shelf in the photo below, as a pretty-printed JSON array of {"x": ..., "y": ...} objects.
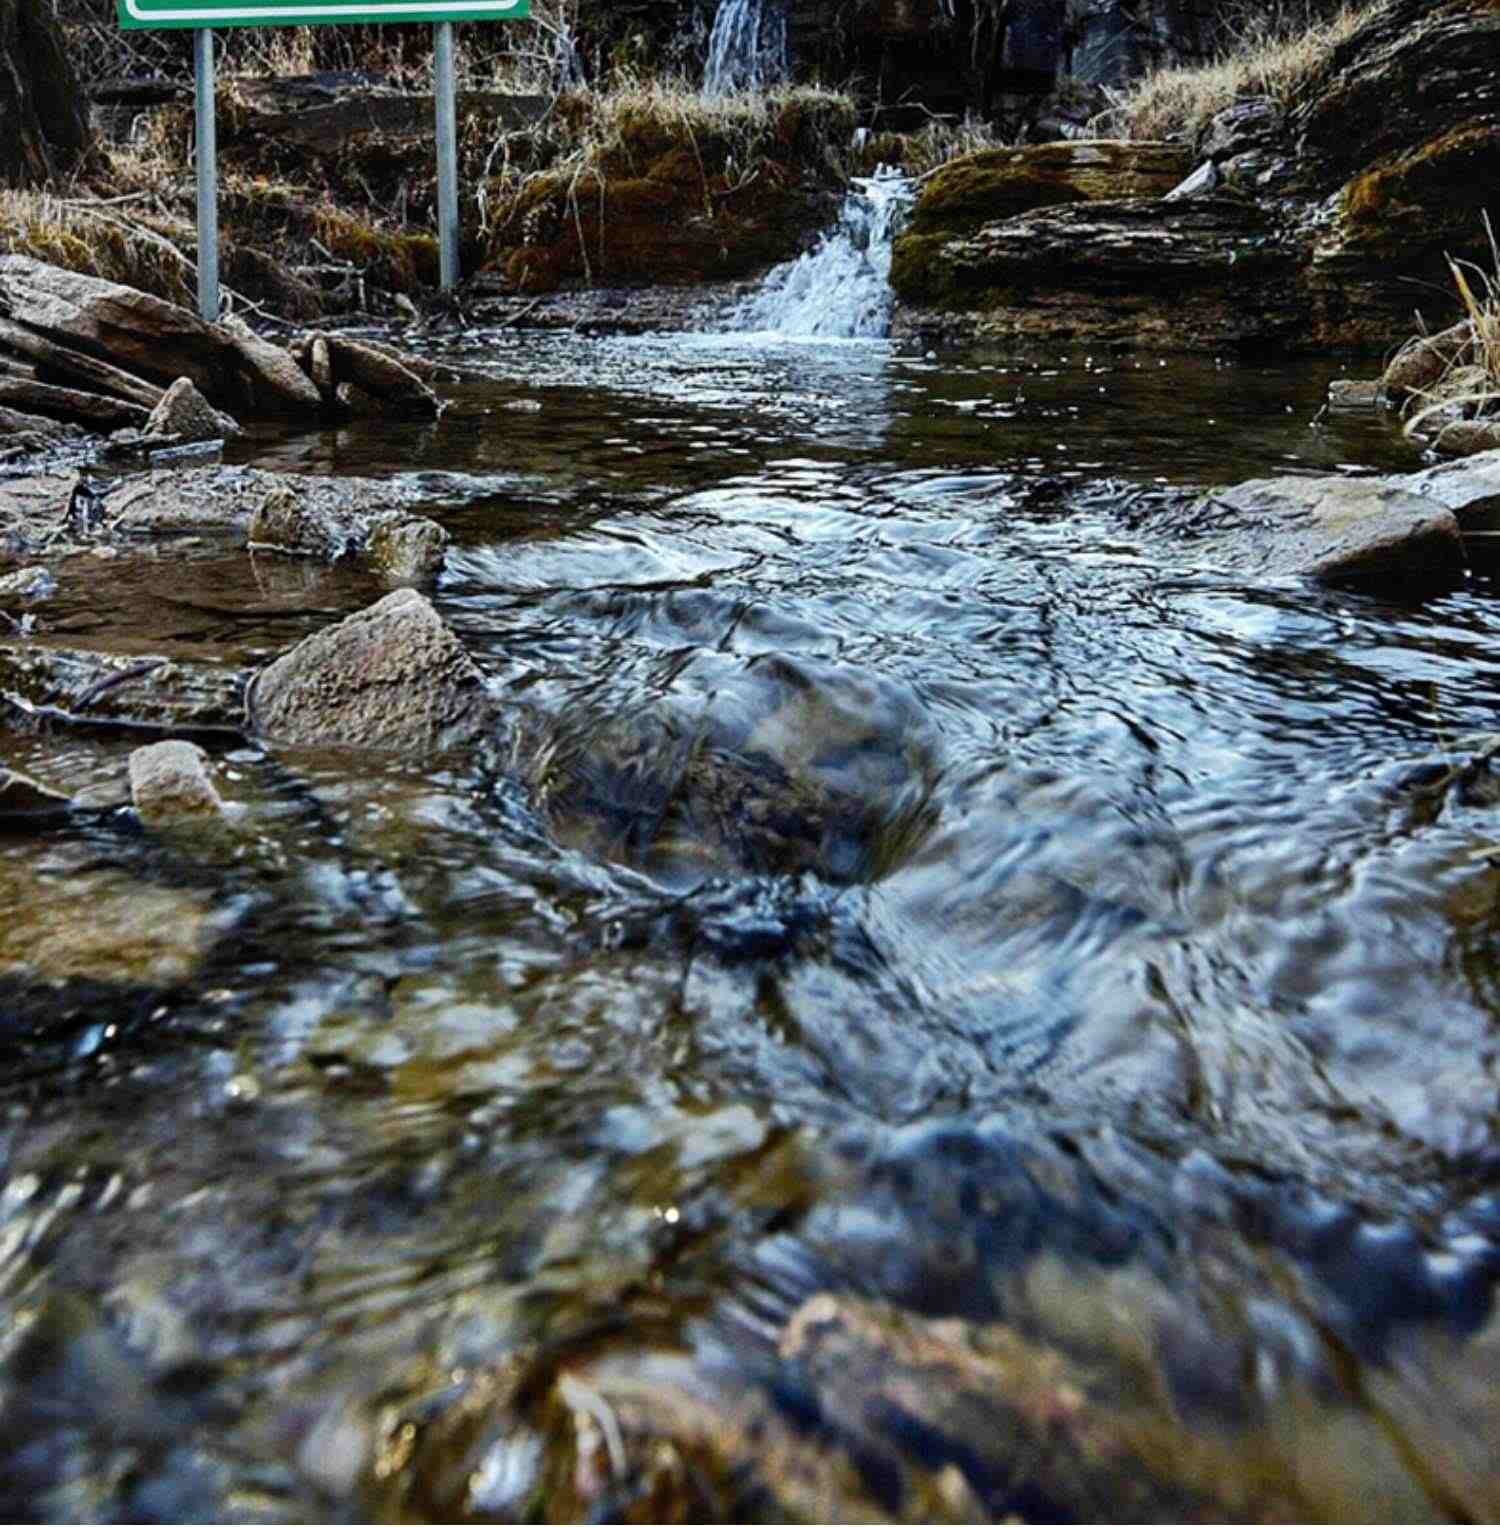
[{"x": 1326, "y": 223}]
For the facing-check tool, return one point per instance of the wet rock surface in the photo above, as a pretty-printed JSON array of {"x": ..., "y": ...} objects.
[
  {"x": 185, "y": 414},
  {"x": 1151, "y": 272},
  {"x": 1329, "y": 528},
  {"x": 391, "y": 677},
  {"x": 170, "y": 781},
  {"x": 38, "y": 679}
]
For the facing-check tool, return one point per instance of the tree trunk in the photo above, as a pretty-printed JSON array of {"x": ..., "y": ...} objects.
[{"x": 44, "y": 114}]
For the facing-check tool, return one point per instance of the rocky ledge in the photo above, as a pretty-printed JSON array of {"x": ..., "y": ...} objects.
[{"x": 1322, "y": 223}]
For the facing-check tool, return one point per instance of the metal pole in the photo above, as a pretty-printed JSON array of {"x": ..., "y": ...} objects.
[
  {"x": 208, "y": 175},
  {"x": 447, "y": 153}
]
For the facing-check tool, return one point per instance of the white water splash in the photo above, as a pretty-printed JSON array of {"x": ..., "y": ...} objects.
[
  {"x": 747, "y": 46},
  {"x": 842, "y": 288}
]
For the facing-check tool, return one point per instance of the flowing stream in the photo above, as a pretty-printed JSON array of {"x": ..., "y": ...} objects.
[{"x": 959, "y": 937}]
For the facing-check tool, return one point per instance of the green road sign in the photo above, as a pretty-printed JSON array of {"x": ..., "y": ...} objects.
[{"x": 141, "y": 14}]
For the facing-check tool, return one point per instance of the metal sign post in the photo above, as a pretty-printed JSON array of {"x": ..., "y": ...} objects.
[
  {"x": 206, "y": 138},
  {"x": 447, "y": 153},
  {"x": 204, "y": 15}
]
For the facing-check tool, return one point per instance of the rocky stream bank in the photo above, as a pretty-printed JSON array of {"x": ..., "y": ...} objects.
[
  {"x": 1323, "y": 223},
  {"x": 491, "y": 1105}
]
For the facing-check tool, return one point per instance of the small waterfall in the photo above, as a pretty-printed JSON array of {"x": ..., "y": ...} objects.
[
  {"x": 747, "y": 46},
  {"x": 842, "y": 288}
]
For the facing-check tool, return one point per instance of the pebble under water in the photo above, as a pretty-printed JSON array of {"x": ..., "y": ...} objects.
[{"x": 972, "y": 1015}]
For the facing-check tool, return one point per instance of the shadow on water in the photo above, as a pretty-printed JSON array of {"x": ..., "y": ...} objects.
[{"x": 943, "y": 1012}]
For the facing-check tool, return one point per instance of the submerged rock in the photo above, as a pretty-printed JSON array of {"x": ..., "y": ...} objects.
[
  {"x": 392, "y": 677},
  {"x": 402, "y": 548},
  {"x": 101, "y": 925},
  {"x": 126, "y": 689}
]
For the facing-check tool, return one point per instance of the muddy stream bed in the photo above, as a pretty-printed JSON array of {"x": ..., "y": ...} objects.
[{"x": 1096, "y": 1121}]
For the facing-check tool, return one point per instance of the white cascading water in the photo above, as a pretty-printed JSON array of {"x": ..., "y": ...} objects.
[
  {"x": 747, "y": 46},
  {"x": 842, "y": 288}
]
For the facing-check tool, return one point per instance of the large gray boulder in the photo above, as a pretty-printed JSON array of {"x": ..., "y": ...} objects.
[
  {"x": 392, "y": 677},
  {"x": 1328, "y": 528}
]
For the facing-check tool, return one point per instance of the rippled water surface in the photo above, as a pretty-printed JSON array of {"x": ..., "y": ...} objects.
[{"x": 949, "y": 971}]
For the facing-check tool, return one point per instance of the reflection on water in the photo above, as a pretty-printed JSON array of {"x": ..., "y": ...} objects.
[{"x": 944, "y": 1014}]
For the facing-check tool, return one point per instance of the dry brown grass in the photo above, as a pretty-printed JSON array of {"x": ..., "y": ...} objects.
[
  {"x": 591, "y": 137},
  {"x": 1470, "y": 384},
  {"x": 1264, "y": 61},
  {"x": 121, "y": 239},
  {"x": 933, "y": 145}
]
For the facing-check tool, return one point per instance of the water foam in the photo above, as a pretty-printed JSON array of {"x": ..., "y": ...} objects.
[{"x": 841, "y": 289}]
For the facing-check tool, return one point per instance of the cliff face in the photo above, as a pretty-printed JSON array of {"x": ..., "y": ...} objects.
[
  {"x": 1324, "y": 222},
  {"x": 1013, "y": 61}
]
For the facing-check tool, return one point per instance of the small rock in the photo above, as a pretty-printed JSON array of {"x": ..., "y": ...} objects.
[
  {"x": 284, "y": 523},
  {"x": 321, "y": 363},
  {"x": 406, "y": 548},
  {"x": 170, "y": 781},
  {"x": 1467, "y": 437},
  {"x": 187, "y": 415},
  {"x": 1200, "y": 183},
  {"x": 1355, "y": 397},
  {"x": 392, "y": 677},
  {"x": 31, "y": 583},
  {"x": 379, "y": 373},
  {"x": 356, "y": 401},
  {"x": 1237, "y": 129},
  {"x": 271, "y": 378},
  {"x": 1421, "y": 363},
  {"x": 22, "y": 796}
]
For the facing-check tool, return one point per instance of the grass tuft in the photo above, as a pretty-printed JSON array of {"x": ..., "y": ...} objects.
[{"x": 1469, "y": 387}]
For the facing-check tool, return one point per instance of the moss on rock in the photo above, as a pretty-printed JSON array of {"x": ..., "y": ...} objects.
[
  {"x": 999, "y": 183},
  {"x": 1433, "y": 195}
]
